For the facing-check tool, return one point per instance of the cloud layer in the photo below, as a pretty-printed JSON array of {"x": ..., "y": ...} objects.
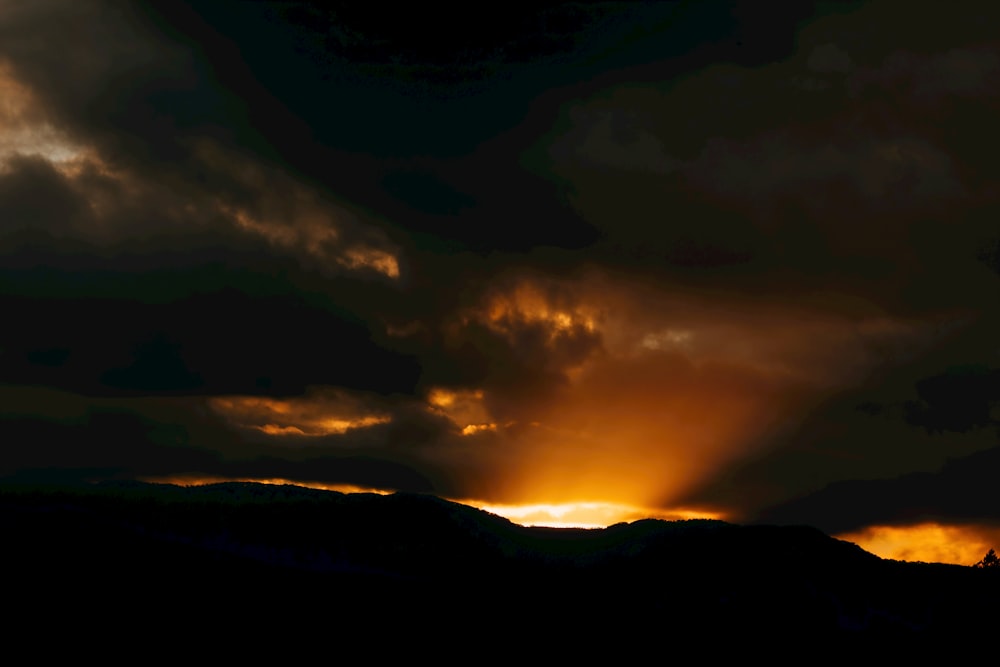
[{"x": 632, "y": 253}]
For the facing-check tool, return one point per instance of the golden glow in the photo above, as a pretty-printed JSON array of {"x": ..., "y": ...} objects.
[
  {"x": 274, "y": 429},
  {"x": 447, "y": 398},
  {"x": 441, "y": 398},
  {"x": 590, "y": 514},
  {"x": 472, "y": 429},
  {"x": 646, "y": 392},
  {"x": 343, "y": 425},
  {"x": 643, "y": 432},
  {"x": 927, "y": 542},
  {"x": 559, "y": 515},
  {"x": 318, "y": 414},
  {"x": 323, "y": 426}
]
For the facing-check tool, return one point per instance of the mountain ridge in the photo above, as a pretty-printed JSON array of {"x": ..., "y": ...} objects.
[{"x": 260, "y": 544}]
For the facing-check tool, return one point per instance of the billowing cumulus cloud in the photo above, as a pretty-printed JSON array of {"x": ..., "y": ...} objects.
[{"x": 648, "y": 261}]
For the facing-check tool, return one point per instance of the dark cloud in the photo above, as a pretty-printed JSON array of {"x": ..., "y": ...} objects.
[
  {"x": 844, "y": 181},
  {"x": 424, "y": 192},
  {"x": 961, "y": 492},
  {"x": 125, "y": 445},
  {"x": 961, "y": 399},
  {"x": 657, "y": 253},
  {"x": 223, "y": 341},
  {"x": 100, "y": 443},
  {"x": 863, "y": 455},
  {"x": 34, "y": 196}
]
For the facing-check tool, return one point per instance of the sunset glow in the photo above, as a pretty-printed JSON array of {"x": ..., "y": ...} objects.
[
  {"x": 588, "y": 514},
  {"x": 584, "y": 514},
  {"x": 927, "y": 542},
  {"x": 582, "y": 263}
]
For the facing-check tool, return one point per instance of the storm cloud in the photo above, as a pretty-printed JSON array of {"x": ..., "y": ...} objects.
[{"x": 671, "y": 256}]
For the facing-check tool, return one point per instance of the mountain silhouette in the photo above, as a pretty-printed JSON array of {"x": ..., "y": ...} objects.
[{"x": 286, "y": 561}]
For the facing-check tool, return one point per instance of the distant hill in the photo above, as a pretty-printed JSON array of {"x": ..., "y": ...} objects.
[{"x": 274, "y": 560}]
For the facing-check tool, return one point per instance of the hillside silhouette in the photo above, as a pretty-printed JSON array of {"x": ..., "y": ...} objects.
[{"x": 274, "y": 560}]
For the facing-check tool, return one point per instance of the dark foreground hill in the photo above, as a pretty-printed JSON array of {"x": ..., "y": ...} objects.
[{"x": 295, "y": 566}]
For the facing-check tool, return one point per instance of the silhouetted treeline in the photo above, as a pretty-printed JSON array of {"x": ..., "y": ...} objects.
[{"x": 280, "y": 559}]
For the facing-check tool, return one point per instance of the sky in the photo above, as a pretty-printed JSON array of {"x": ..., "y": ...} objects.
[{"x": 585, "y": 263}]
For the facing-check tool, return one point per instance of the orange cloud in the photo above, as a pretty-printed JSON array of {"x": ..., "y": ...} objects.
[
  {"x": 526, "y": 303},
  {"x": 927, "y": 542},
  {"x": 472, "y": 429},
  {"x": 371, "y": 258},
  {"x": 317, "y": 414},
  {"x": 465, "y": 408},
  {"x": 547, "y": 326}
]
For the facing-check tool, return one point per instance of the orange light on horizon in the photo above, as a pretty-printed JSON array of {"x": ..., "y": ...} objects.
[
  {"x": 927, "y": 542},
  {"x": 584, "y": 514}
]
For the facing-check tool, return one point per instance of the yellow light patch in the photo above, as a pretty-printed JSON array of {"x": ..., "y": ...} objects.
[{"x": 472, "y": 429}]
